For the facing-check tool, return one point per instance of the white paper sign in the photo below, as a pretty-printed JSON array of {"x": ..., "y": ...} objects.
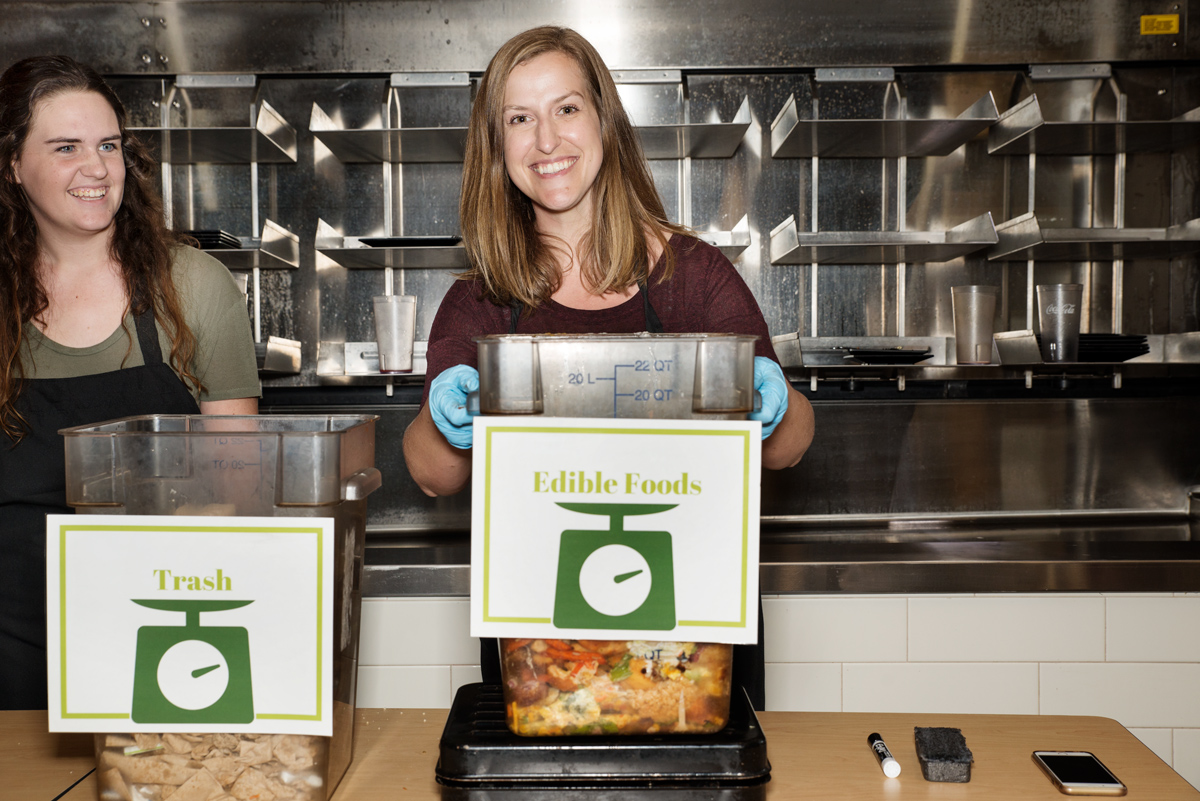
[
  {"x": 615, "y": 529},
  {"x": 190, "y": 624}
]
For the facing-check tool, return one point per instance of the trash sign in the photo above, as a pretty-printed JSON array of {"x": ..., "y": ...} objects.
[{"x": 190, "y": 624}]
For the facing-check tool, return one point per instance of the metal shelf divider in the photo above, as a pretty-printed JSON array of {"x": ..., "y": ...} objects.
[
  {"x": 1022, "y": 130},
  {"x": 1024, "y": 239},
  {"x": 792, "y": 137},
  {"x": 790, "y": 246}
]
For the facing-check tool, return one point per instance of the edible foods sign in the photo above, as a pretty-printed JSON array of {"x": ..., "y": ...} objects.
[
  {"x": 615, "y": 529},
  {"x": 190, "y": 624}
]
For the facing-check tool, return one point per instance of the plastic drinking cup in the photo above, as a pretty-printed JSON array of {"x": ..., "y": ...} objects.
[
  {"x": 395, "y": 330},
  {"x": 1059, "y": 310},
  {"x": 974, "y": 310}
]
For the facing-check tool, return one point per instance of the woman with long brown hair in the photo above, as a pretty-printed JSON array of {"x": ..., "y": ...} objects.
[
  {"x": 566, "y": 233},
  {"x": 107, "y": 314}
]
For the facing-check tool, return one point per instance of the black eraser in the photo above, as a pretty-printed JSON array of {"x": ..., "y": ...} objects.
[{"x": 943, "y": 754}]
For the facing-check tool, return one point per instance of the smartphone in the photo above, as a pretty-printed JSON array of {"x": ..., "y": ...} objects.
[{"x": 1078, "y": 773}]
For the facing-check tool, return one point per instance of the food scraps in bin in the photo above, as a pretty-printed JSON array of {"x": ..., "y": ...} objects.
[
  {"x": 557, "y": 687},
  {"x": 211, "y": 767}
]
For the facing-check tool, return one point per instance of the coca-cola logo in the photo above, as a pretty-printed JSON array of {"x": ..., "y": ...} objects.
[{"x": 1065, "y": 308}]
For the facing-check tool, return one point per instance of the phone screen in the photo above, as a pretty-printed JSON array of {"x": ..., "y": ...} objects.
[{"x": 1078, "y": 769}]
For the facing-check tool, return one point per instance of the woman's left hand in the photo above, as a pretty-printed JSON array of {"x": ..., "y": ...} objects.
[{"x": 773, "y": 389}]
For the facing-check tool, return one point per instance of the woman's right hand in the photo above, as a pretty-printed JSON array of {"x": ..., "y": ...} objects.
[{"x": 448, "y": 404}]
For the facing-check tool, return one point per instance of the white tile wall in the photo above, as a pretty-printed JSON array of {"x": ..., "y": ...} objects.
[
  {"x": 854, "y": 629},
  {"x": 793, "y": 687},
  {"x": 423, "y": 687},
  {"x": 1004, "y": 629},
  {"x": 1186, "y": 754},
  {"x": 1148, "y": 630},
  {"x": 417, "y": 631},
  {"x": 1135, "y": 658},
  {"x": 1000, "y": 688},
  {"x": 1159, "y": 741},
  {"x": 1142, "y": 694}
]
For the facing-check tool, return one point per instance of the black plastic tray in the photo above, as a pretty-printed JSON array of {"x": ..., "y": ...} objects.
[
  {"x": 888, "y": 355},
  {"x": 411, "y": 241},
  {"x": 1109, "y": 347},
  {"x": 478, "y": 752}
]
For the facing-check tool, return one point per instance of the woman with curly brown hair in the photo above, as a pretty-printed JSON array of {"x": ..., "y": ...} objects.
[{"x": 106, "y": 314}]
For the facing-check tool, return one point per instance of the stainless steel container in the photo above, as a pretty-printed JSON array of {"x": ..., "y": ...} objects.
[{"x": 667, "y": 376}]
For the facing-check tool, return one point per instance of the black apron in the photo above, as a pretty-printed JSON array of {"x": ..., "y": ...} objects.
[
  {"x": 33, "y": 484},
  {"x": 749, "y": 661}
]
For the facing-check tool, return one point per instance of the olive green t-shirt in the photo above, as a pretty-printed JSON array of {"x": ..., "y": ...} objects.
[{"x": 215, "y": 311}]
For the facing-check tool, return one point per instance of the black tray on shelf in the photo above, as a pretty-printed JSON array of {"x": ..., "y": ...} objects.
[
  {"x": 479, "y": 757},
  {"x": 214, "y": 240},
  {"x": 887, "y": 355},
  {"x": 1109, "y": 347},
  {"x": 411, "y": 241}
]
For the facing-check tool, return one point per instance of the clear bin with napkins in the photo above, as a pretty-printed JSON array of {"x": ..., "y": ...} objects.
[{"x": 270, "y": 466}]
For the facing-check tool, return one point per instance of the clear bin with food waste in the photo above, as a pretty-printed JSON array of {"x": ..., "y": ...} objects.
[
  {"x": 270, "y": 466},
  {"x": 568, "y": 687},
  {"x": 555, "y": 687}
]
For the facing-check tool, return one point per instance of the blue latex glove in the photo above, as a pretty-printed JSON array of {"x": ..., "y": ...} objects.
[
  {"x": 773, "y": 388},
  {"x": 448, "y": 403}
]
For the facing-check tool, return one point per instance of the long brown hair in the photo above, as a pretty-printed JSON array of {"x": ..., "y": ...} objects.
[
  {"x": 512, "y": 262},
  {"x": 141, "y": 242}
]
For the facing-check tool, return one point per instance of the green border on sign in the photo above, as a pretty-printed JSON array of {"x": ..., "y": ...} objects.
[
  {"x": 94, "y": 528},
  {"x": 673, "y": 432}
]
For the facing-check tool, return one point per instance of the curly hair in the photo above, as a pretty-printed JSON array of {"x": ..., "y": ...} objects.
[
  {"x": 511, "y": 261},
  {"x": 142, "y": 243}
]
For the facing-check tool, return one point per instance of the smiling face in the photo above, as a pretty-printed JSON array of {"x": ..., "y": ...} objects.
[
  {"x": 71, "y": 166},
  {"x": 552, "y": 143}
]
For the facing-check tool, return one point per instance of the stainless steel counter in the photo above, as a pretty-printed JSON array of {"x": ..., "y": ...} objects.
[{"x": 1133, "y": 552}]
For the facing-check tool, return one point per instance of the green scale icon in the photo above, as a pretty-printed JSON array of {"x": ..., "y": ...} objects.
[
  {"x": 192, "y": 673},
  {"x": 615, "y": 579}
]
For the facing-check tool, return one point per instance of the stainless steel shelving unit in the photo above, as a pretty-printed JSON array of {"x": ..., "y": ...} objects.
[
  {"x": 1023, "y": 130},
  {"x": 793, "y": 137},
  {"x": 270, "y": 140},
  {"x": 1023, "y": 238},
  {"x": 791, "y": 246},
  {"x": 448, "y": 144},
  {"x": 353, "y": 253}
]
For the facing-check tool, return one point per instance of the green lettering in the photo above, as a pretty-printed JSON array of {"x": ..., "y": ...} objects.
[
  {"x": 538, "y": 481},
  {"x": 631, "y": 482},
  {"x": 162, "y": 578}
]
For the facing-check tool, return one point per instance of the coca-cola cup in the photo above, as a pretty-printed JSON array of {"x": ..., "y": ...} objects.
[{"x": 1059, "y": 310}]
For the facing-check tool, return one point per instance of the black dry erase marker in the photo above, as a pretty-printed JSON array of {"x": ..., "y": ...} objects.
[{"x": 891, "y": 768}]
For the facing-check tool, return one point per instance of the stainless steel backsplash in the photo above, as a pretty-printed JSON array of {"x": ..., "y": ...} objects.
[{"x": 894, "y": 457}]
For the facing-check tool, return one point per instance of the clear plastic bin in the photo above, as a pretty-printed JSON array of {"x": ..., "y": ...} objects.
[{"x": 272, "y": 466}]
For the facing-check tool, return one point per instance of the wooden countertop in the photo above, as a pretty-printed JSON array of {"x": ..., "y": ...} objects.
[{"x": 813, "y": 755}]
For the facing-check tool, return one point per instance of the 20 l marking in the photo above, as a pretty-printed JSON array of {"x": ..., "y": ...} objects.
[{"x": 661, "y": 395}]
